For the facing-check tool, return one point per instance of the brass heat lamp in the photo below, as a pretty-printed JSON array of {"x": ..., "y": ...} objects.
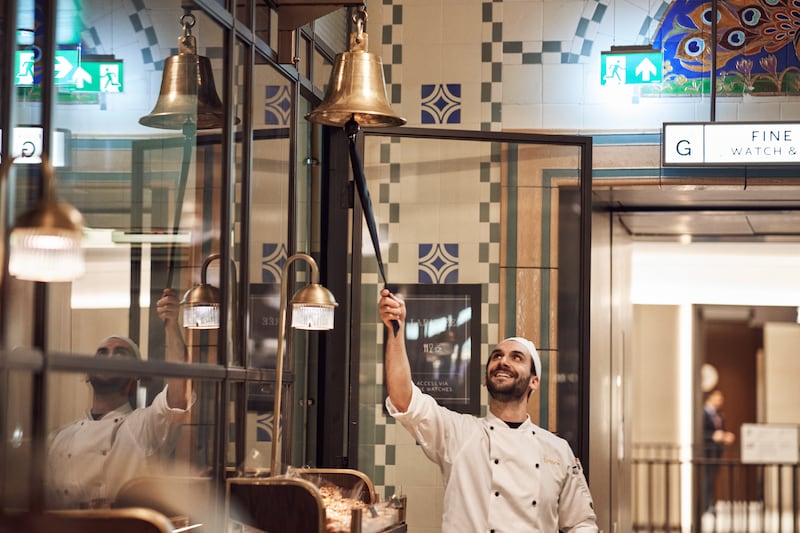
[
  {"x": 202, "y": 302},
  {"x": 45, "y": 242}
]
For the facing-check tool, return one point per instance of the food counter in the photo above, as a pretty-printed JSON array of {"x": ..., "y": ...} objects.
[{"x": 311, "y": 501}]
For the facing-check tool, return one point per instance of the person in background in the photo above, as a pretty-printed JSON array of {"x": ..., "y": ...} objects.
[
  {"x": 502, "y": 473},
  {"x": 91, "y": 458},
  {"x": 715, "y": 439}
]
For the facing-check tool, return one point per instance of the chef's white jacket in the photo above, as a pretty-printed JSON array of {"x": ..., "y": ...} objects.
[
  {"x": 89, "y": 460},
  {"x": 498, "y": 479}
]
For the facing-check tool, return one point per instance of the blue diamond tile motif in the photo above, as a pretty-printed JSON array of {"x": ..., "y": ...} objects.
[
  {"x": 278, "y": 105},
  {"x": 264, "y": 427},
  {"x": 438, "y": 263},
  {"x": 273, "y": 257},
  {"x": 441, "y": 103}
]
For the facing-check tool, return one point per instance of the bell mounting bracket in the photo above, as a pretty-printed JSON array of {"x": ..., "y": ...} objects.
[{"x": 293, "y": 14}]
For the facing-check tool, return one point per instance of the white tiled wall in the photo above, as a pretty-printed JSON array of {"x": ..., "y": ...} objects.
[{"x": 538, "y": 63}]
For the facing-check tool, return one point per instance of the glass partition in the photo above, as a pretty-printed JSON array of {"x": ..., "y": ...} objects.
[
  {"x": 270, "y": 197},
  {"x": 138, "y": 439},
  {"x": 147, "y": 173},
  {"x": 163, "y": 203},
  {"x": 149, "y": 193},
  {"x": 218, "y": 197},
  {"x": 19, "y": 448},
  {"x": 487, "y": 225}
]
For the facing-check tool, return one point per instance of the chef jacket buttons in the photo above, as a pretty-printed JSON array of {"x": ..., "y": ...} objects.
[
  {"x": 497, "y": 493},
  {"x": 534, "y": 503},
  {"x": 537, "y": 465},
  {"x": 496, "y": 461},
  {"x": 533, "y": 432},
  {"x": 491, "y": 428}
]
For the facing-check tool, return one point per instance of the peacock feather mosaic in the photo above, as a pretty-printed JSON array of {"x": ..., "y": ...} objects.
[{"x": 756, "y": 52}]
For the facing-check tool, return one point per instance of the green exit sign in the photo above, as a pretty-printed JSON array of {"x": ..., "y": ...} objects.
[
  {"x": 25, "y": 64},
  {"x": 630, "y": 67},
  {"x": 72, "y": 73},
  {"x": 99, "y": 77}
]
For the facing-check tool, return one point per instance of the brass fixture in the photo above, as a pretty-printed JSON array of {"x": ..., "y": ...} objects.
[
  {"x": 312, "y": 308},
  {"x": 45, "y": 242},
  {"x": 201, "y": 303},
  {"x": 188, "y": 98},
  {"x": 356, "y": 96},
  {"x": 356, "y": 90}
]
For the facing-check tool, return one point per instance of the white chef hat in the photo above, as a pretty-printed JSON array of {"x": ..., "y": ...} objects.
[
  {"x": 127, "y": 340},
  {"x": 537, "y": 363}
]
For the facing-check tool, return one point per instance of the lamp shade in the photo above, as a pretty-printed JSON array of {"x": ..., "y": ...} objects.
[
  {"x": 313, "y": 308},
  {"x": 45, "y": 243},
  {"x": 201, "y": 306}
]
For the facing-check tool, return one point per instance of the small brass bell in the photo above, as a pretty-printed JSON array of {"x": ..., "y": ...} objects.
[
  {"x": 356, "y": 89},
  {"x": 188, "y": 97}
]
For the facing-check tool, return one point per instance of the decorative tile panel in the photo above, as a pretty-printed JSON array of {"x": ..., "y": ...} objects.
[
  {"x": 441, "y": 103},
  {"x": 142, "y": 22},
  {"x": 278, "y": 105},
  {"x": 392, "y": 49},
  {"x": 438, "y": 263},
  {"x": 492, "y": 58},
  {"x": 264, "y": 427},
  {"x": 757, "y": 51},
  {"x": 273, "y": 257}
]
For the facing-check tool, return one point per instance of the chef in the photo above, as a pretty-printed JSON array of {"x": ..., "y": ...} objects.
[
  {"x": 502, "y": 473},
  {"x": 90, "y": 459}
]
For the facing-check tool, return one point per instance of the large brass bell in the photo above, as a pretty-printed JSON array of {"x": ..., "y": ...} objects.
[
  {"x": 356, "y": 89},
  {"x": 188, "y": 97}
]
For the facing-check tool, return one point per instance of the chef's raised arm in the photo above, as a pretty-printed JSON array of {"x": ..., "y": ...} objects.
[{"x": 398, "y": 370}]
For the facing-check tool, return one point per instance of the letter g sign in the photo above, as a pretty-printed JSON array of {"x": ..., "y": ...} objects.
[{"x": 683, "y": 143}]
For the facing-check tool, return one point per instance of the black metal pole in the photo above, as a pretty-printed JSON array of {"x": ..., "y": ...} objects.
[{"x": 351, "y": 129}]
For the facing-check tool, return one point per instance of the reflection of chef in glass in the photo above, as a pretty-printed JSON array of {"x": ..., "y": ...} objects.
[{"x": 91, "y": 458}]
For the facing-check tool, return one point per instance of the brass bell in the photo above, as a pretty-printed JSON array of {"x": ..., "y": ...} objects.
[
  {"x": 188, "y": 97},
  {"x": 356, "y": 89}
]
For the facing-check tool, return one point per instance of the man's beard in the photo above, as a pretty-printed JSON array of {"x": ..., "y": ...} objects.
[
  {"x": 508, "y": 392},
  {"x": 109, "y": 385}
]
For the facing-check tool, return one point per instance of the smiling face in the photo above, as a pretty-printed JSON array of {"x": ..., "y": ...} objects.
[{"x": 508, "y": 372}]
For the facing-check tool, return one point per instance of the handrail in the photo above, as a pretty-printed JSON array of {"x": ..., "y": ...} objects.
[{"x": 746, "y": 498}]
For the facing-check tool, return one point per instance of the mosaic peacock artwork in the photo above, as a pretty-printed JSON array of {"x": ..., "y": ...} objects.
[{"x": 757, "y": 47}]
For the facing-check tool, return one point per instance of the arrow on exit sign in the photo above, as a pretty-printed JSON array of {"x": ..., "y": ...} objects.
[{"x": 630, "y": 67}]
